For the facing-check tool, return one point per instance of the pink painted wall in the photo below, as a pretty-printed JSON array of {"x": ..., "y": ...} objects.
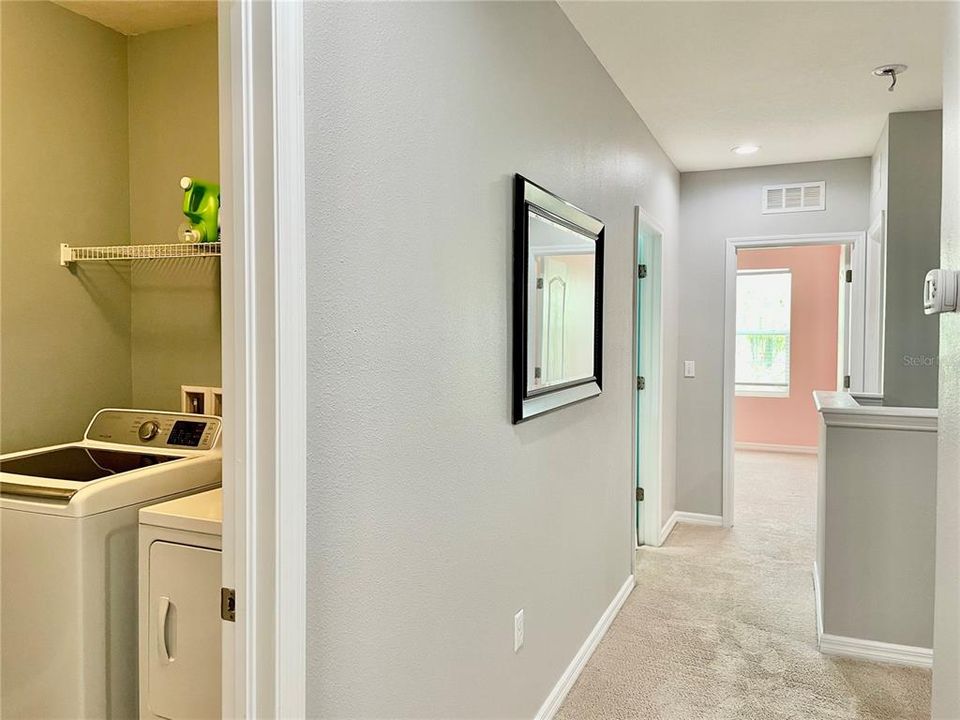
[{"x": 813, "y": 347}]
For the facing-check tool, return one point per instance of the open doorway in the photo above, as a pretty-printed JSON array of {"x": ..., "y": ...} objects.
[
  {"x": 793, "y": 324},
  {"x": 148, "y": 335}
]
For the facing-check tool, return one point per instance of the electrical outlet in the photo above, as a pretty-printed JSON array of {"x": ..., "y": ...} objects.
[{"x": 518, "y": 631}]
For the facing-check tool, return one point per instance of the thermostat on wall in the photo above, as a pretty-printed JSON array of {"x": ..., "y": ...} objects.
[{"x": 940, "y": 291}]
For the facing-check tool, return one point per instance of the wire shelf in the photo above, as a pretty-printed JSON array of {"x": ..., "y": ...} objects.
[{"x": 108, "y": 253}]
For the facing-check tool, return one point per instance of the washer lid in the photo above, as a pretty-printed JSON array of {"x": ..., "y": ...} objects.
[{"x": 81, "y": 464}]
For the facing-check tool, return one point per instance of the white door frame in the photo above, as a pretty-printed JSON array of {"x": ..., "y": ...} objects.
[
  {"x": 264, "y": 375},
  {"x": 856, "y": 352},
  {"x": 648, "y": 423}
]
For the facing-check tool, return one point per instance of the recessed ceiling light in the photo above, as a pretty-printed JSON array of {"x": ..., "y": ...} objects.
[{"x": 745, "y": 149}]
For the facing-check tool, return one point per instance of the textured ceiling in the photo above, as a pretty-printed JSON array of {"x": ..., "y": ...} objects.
[
  {"x": 792, "y": 77},
  {"x": 135, "y": 17}
]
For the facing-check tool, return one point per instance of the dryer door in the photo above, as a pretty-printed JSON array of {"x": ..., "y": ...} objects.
[{"x": 183, "y": 645}]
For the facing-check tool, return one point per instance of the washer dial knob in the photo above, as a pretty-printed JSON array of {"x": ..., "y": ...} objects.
[{"x": 149, "y": 430}]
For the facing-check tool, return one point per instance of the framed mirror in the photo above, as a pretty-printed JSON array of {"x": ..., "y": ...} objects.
[{"x": 558, "y": 302}]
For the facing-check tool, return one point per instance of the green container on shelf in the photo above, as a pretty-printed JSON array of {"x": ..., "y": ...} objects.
[{"x": 201, "y": 206}]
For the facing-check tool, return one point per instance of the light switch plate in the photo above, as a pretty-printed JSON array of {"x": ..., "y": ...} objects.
[{"x": 689, "y": 369}]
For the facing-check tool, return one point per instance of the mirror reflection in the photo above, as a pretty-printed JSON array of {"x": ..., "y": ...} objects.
[{"x": 562, "y": 310}]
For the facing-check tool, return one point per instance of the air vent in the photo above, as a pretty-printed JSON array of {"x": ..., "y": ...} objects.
[{"x": 797, "y": 197}]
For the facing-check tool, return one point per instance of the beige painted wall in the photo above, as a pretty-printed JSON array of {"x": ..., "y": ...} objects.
[
  {"x": 97, "y": 130},
  {"x": 63, "y": 159},
  {"x": 173, "y": 132}
]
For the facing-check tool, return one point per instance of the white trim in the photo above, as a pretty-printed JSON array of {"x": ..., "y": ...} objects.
[
  {"x": 668, "y": 528},
  {"x": 771, "y": 394},
  {"x": 840, "y": 409},
  {"x": 570, "y": 675},
  {"x": 818, "y": 601},
  {"x": 767, "y": 447},
  {"x": 873, "y": 651},
  {"x": 688, "y": 518},
  {"x": 290, "y": 319},
  {"x": 648, "y": 423},
  {"x": 264, "y": 336},
  {"x": 692, "y": 518},
  {"x": 858, "y": 241}
]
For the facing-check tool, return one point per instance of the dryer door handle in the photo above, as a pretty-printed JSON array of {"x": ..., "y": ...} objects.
[{"x": 163, "y": 613}]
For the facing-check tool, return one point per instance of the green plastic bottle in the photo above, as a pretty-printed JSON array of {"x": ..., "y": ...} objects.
[{"x": 201, "y": 206}]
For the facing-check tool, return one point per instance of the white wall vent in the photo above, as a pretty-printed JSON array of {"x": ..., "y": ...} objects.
[{"x": 795, "y": 197}]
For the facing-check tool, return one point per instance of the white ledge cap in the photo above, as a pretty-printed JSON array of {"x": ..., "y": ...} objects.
[{"x": 841, "y": 409}]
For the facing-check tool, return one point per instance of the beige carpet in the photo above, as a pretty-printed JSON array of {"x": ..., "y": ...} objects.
[{"x": 722, "y": 624}]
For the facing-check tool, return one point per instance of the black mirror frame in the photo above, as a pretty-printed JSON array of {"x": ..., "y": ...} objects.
[{"x": 529, "y": 195}]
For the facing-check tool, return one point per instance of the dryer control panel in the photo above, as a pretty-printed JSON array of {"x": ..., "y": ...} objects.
[{"x": 153, "y": 428}]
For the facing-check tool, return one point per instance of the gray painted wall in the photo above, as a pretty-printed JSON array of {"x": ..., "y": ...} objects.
[
  {"x": 911, "y": 339},
  {"x": 716, "y": 205},
  {"x": 946, "y": 633},
  {"x": 431, "y": 518},
  {"x": 66, "y": 333},
  {"x": 877, "y": 580}
]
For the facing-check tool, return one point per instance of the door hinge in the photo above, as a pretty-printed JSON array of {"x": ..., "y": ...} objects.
[
  {"x": 846, "y": 382},
  {"x": 641, "y": 382},
  {"x": 536, "y": 373},
  {"x": 641, "y": 271},
  {"x": 228, "y": 604},
  {"x": 849, "y": 276},
  {"x": 539, "y": 283},
  {"x": 639, "y": 494}
]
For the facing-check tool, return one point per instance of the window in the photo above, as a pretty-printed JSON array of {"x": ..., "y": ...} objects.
[{"x": 763, "y": 333}]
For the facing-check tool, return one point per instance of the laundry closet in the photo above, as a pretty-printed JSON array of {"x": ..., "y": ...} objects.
[{"x": 110, "y": 360}]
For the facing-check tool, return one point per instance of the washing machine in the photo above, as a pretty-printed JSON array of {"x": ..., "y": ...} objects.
[{"x": 68, "y": 557}]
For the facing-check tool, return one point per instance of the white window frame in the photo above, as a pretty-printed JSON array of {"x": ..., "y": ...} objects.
[
  {"x": 264, "y": 359},
  {"x": 777, "y": 391}
]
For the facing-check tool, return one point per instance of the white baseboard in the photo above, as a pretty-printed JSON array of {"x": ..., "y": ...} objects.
[
  {"x": 818, "y": 600},
  {"x": 690, "y": 519},
  {"x": 869, "y": 650},
  {"x": 874, "y": 651},
  {"x": 697, "y": 518},
  {"x": 765, "y": 447},
  {"x": 570, "y": 675},
  {"x": 668, "y": 528}
]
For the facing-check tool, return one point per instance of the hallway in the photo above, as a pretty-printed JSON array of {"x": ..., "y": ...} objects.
[{"x": 722, "y": 623}]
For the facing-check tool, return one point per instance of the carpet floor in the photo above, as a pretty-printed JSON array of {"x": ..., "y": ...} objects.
[{"x": 722, "y": 623}]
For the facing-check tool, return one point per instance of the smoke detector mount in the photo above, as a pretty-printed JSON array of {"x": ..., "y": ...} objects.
[{"x": 890, "y": 71}]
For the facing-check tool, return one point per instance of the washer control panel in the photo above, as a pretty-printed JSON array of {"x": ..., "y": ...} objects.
[{"x": 153, "y": 428}]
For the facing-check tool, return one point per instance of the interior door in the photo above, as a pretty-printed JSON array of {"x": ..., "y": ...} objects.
[{"x": 184, "y": 632}]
